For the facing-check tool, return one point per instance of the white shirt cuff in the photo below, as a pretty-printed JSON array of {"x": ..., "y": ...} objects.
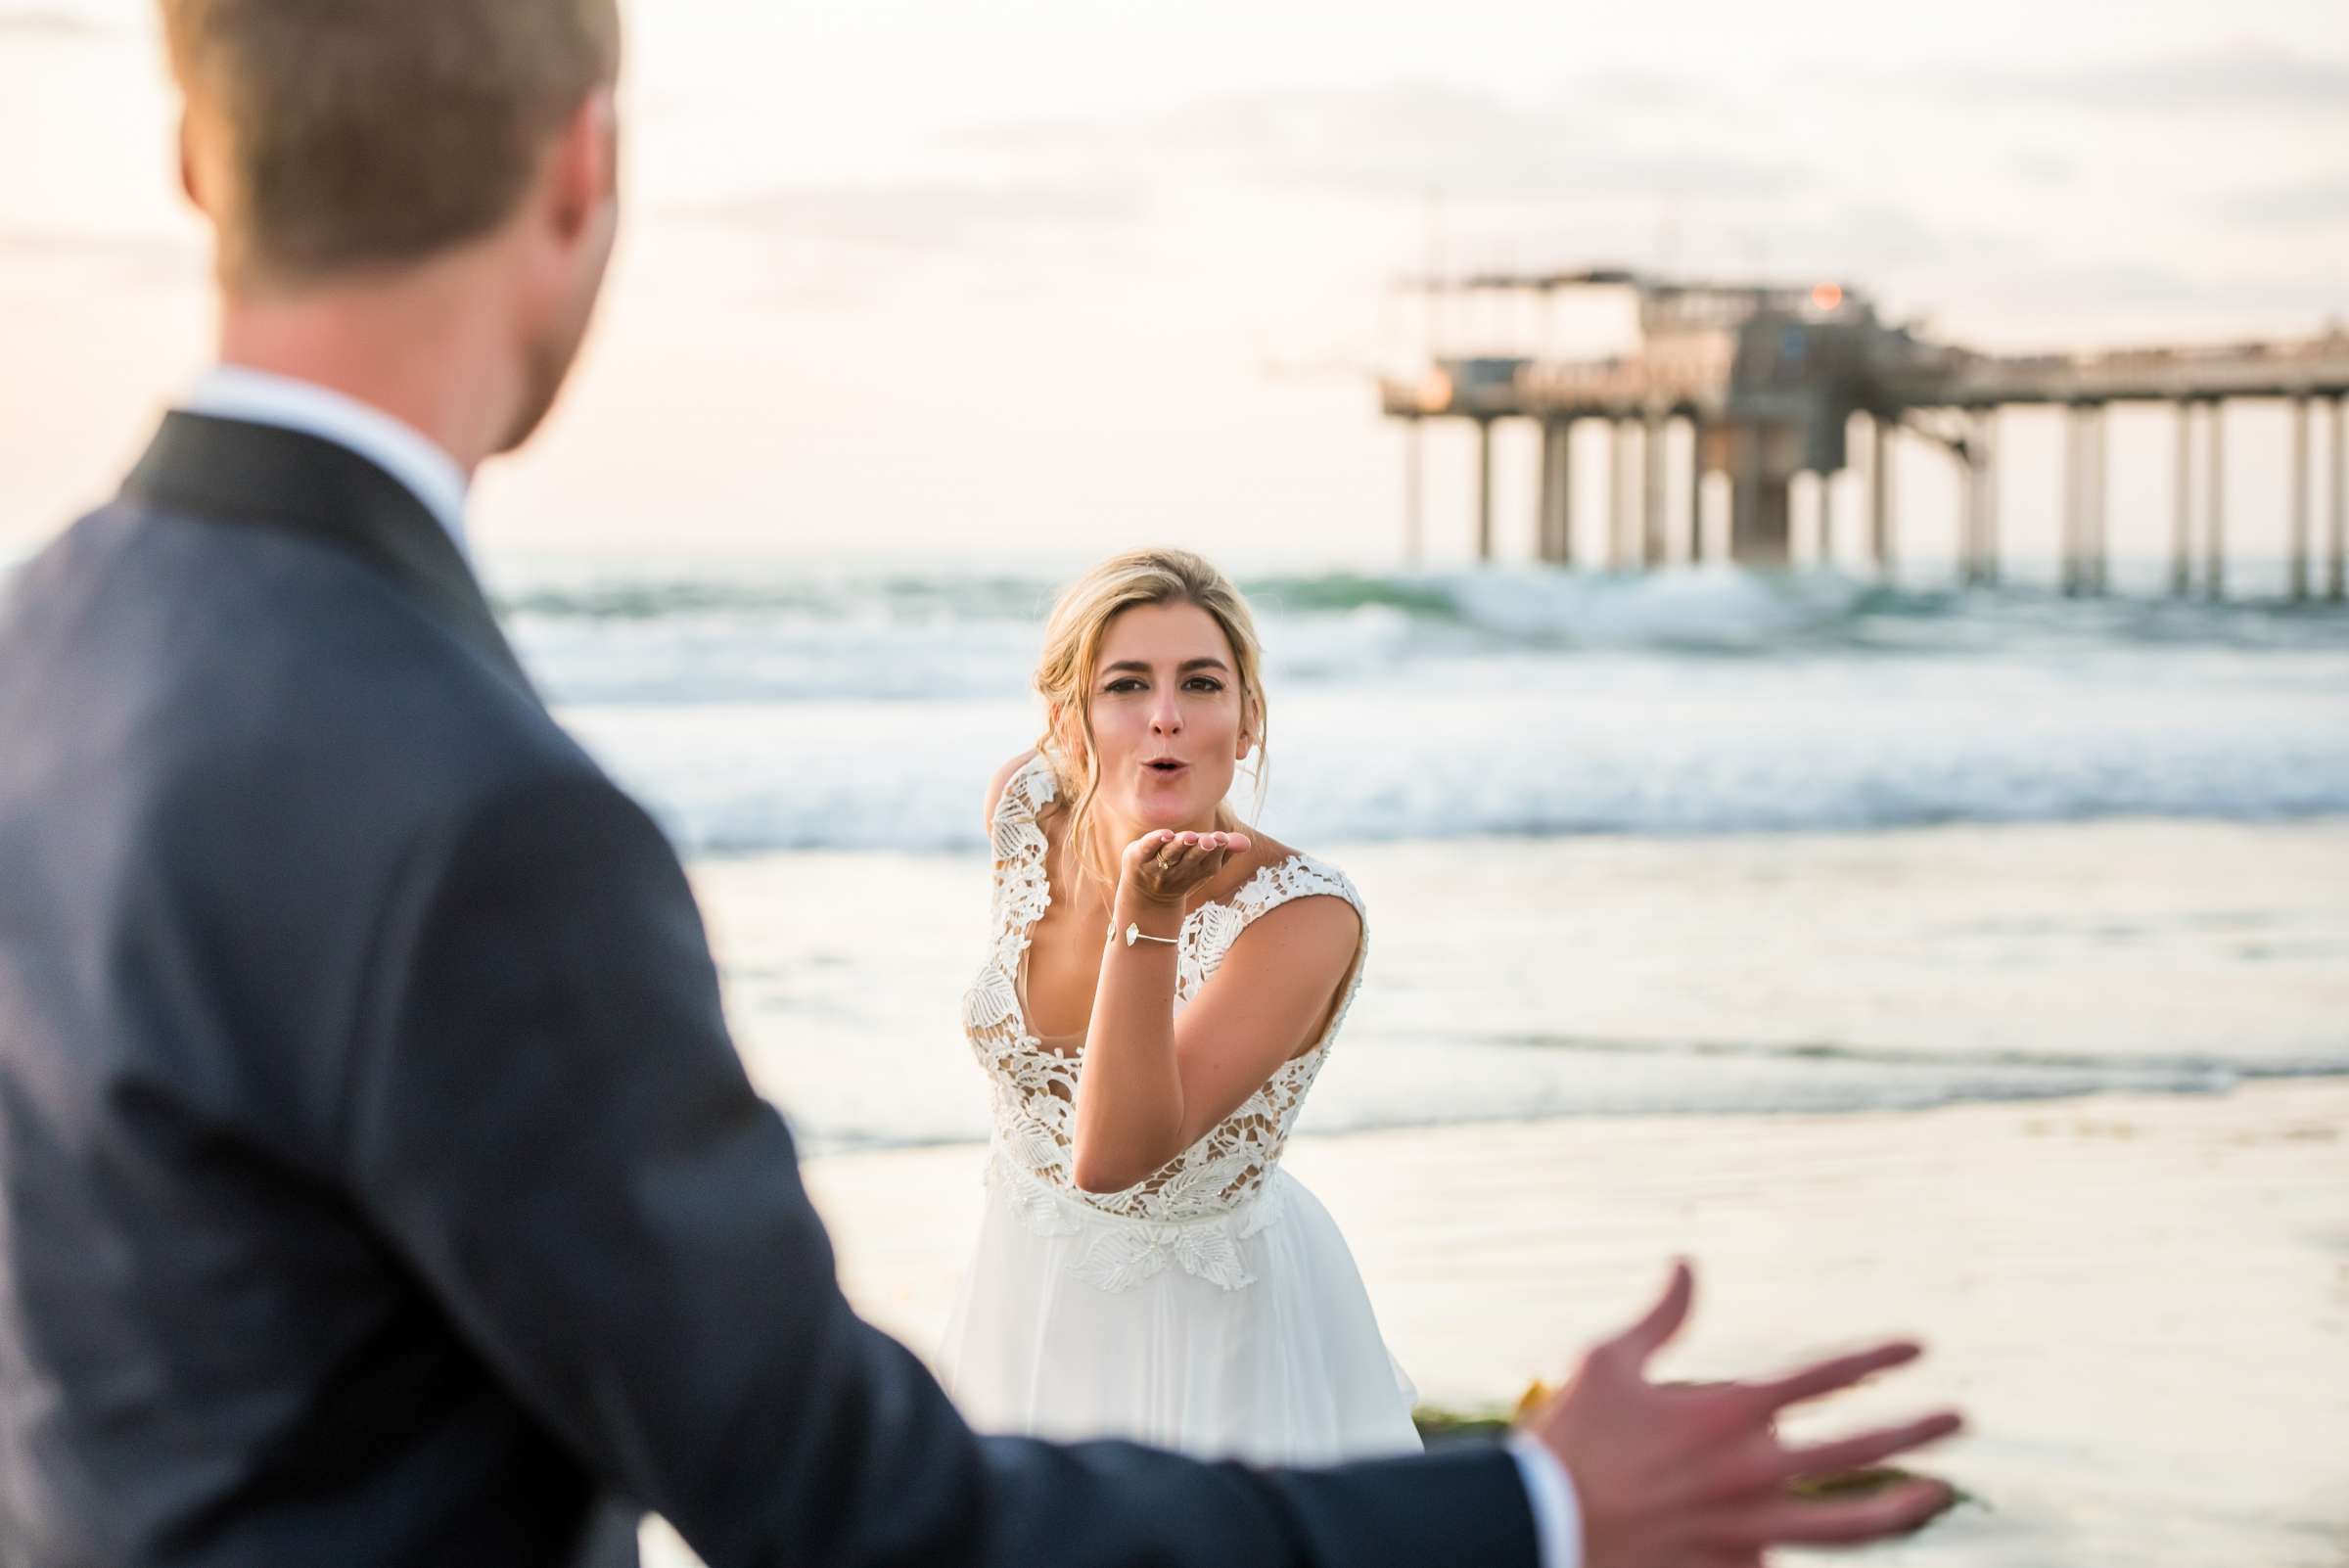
[{"x": 1557, "y": 1512}]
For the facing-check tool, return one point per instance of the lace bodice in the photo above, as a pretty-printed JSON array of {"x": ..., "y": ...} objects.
[{"x": 1034, "y": 1088}]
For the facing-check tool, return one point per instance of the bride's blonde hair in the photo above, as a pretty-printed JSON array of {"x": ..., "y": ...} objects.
[{"x": 1064, "y": 676}]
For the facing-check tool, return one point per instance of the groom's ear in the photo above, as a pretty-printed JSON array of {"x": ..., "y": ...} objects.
[{"x": 192, "y": 183}]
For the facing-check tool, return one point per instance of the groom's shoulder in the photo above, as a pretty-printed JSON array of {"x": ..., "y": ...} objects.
[{"x": 209, "y": 658}]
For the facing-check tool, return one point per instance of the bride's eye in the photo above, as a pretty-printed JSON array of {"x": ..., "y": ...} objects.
[
  {"x": 1207, "y": 683},
  {"x": 1123, "y": 685}
]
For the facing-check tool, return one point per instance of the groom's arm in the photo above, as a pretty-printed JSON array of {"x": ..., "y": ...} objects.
[{"x": 547, "y": 1117}]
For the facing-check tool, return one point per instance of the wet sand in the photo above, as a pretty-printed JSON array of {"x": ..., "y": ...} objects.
[{"x": 1793, "y": 972}]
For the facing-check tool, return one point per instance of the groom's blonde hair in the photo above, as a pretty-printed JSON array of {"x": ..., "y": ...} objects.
[
  {"x": 344, "y": 135},
  {"x": 1064, "y": 676}
]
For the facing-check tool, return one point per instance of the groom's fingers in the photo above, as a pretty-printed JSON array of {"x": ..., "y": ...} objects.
[
  {"x": 1827, "y": 1524},
  {"x": 1825, "y": 1377},
  {"x": 1867, "y": 1448},
  {"x": 1640, "y": 1342}
]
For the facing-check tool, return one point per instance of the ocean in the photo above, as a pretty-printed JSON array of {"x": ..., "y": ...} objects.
[
  {"x": 1700, "y": 840},
  {"x": 786, "y": 706}
]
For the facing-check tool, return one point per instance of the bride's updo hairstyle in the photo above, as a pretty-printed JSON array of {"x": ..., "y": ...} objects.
[{"x": 1064, "y": 676}]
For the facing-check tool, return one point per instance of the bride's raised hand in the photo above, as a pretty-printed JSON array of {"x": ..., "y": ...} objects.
[{"x": 1163, "y": 867}]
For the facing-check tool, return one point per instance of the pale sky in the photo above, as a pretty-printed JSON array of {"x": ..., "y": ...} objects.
[{"x": 1051, "y": 276}]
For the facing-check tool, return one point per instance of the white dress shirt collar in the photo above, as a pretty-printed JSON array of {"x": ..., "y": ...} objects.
[{"x": 233, "y": 391}]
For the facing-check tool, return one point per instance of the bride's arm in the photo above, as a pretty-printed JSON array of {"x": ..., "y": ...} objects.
[{"x": 1152, "y": 1085}]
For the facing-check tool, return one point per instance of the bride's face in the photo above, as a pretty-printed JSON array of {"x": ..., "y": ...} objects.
[{"x": 1169, "y": 716}]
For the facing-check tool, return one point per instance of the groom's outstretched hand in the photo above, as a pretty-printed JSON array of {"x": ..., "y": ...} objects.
[{"x": 1682, "y": 1476}]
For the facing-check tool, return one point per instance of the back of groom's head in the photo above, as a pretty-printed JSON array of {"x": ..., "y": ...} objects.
[{"x": 335, "y": 136}]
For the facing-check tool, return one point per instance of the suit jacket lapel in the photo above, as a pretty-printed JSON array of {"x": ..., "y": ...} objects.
[{"x": 262, "y": 475}]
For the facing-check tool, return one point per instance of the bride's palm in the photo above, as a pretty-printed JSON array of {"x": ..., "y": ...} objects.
[{"x": 1165, "y": 866}]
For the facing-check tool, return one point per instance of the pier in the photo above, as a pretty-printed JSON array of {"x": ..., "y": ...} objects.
[{"x": 1768, "y": 383}]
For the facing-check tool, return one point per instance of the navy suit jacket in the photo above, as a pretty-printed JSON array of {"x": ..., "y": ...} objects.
[{"x": 378, "y": 1182}]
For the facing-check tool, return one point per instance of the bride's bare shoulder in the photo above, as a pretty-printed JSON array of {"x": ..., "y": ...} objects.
[
  {"x": 1265, "y": 855},
  {"x": 997, "y": 785},
  {"x": 1264, "y": 850},
  {"x": 1303, "y": 942}
]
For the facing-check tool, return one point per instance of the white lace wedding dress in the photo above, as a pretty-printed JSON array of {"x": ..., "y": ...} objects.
[{"x": 1214, "y": 1307}]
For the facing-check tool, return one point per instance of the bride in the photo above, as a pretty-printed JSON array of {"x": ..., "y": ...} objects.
[{"x": 1161, "y": 984}]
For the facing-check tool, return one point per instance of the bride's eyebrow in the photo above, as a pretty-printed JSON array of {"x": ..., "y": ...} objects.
[{"x": 1141, "y": 668}]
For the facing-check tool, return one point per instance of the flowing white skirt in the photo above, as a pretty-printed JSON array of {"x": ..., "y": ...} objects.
[{"x": 1287, "y": 1368}]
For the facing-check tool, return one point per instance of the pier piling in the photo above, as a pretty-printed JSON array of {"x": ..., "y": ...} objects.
[
  {"x": 2213, "y": 561},
  {"x": 1484, "y": 490},
  {"x": 2099, "y": 522},
  {"x": 1970, "y": 550},
  {"x": 2338, "y": 583},
  {"x": 2182, "y": 505},
  {"x": 1880, "y": 493},
  {"x": 1696, "y": 486},
  {"x": 1565, "y": 517},
  {"x": 2086, "y": 547},
  {"x": 1760, "y": 520},
  {"x": 1652, "y": 492},
  {"x": 2300, "y": 533},
  {"x": 1982, "y": 511},
  {"x": 1620, "y": 538},
  {"x": 2074, "y": 524},
  {"x": 1556, "y": 525}
]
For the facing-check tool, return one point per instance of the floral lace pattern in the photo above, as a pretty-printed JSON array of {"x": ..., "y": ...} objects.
[
  {"x": 1121, "y": 1252},
  {"x": 1193, "y": 1210}
]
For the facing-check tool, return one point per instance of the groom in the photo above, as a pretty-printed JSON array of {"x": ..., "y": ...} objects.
[{"x": 378, "y": 1184}]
